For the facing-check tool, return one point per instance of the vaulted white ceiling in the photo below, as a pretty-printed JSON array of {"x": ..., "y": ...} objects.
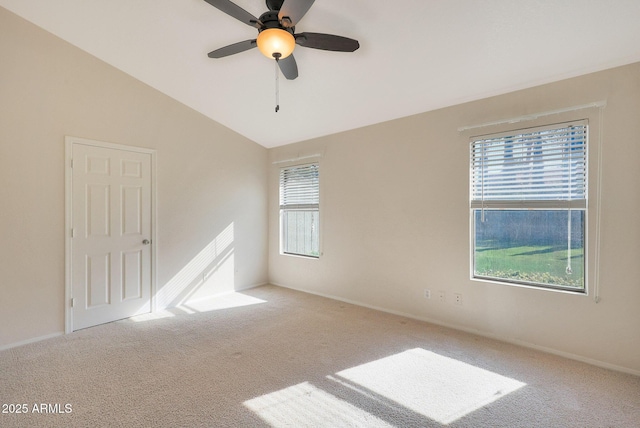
[{"x": 415, "y": 55}]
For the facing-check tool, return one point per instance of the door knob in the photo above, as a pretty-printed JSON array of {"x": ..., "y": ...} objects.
[{"x": 146, "y": 242}]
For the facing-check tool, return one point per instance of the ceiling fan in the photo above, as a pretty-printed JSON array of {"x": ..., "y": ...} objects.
[{"x": 276, "y": 33}]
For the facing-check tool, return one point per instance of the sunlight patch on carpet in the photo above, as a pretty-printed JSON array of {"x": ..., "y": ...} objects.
[
  {"x": 438, "y": 387},
  {"x": 152, "y": 316},
  {"x": 304, "y": 405},
  {"x": 225, "y": 301},
  {"x": 214, "y": 303}
]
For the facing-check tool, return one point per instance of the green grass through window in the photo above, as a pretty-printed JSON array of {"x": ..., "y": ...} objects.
[{"x": 542, "y": 264}]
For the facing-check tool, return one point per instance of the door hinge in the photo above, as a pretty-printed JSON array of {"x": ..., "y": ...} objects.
[
  {"x": 71, "y": 163},
  {"x": 73, "y": 233},
  {"x": 73, "y": 301}
]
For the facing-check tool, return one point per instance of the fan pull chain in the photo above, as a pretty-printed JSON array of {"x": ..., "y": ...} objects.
[{"x": 277, "y": 84}]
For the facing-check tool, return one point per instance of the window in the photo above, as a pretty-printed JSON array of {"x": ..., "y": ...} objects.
[
  {"x": 529, "y": 206},
  {"x": 299, "y": 210}
]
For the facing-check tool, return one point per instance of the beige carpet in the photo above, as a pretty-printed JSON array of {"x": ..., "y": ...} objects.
[{"x": 276, "y": 357}]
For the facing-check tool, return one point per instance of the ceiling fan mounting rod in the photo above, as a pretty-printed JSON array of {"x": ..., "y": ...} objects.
[{"x": 274, "y": 4}]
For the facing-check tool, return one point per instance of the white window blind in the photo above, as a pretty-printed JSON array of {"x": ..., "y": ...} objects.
[
  {"x": 299, "y": 210},
  {"x": 299, "y": 187},
  {"x": 536, "y": 168}
]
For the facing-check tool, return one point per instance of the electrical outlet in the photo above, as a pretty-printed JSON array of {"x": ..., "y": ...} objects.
[
  {"x": 442, "y": 296},
  {"x": 457, "y": 298},
  {"x": 427, "y": 293}
]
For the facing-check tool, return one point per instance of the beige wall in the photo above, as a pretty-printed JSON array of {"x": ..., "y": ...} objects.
[
  {"x": 395, "y": 221},
  {"x": 395, "y": 214},
  {"x": 211, "y": 181}
]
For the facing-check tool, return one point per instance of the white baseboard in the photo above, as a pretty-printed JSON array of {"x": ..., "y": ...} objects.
[
  {"x": 223, "y": 293},
  {"x": 226, "y": 293},
  {"x": 32, "y": 340},
  {"x": 249, "y": 287},
  {"x": 211, "y": 296},
  {"x": 593, "y": 362}
]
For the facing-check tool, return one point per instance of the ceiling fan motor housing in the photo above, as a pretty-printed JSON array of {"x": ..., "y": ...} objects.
[{"x": 270, "y": 20}]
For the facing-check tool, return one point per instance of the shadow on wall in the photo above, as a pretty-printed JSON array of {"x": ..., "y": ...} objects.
[{"x": 210, "y": 272}]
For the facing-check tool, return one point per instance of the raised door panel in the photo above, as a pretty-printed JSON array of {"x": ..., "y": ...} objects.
[
  {"x": 132, "y": 275},
  {"x": 98, "y": 280},
  {"x": 131, "y": 210},
  {"x": 98, "y": 210}
]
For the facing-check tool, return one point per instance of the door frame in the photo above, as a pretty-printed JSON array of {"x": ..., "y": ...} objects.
[{"x": 68, "y": 174}]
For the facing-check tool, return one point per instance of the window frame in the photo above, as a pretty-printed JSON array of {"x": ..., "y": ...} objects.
[
  {"x": 298, "y": 207},
  {"x": 538, "y": 205}
]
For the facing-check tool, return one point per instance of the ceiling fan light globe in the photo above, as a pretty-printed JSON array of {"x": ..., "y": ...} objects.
[{"x": 275, "y": 40}]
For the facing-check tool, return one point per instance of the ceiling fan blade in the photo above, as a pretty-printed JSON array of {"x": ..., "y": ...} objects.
[
  {"x": 289, "y": 67},
  {"x": 292, "y": 11},
  {"x": 233, "y": 49},
  {"x": 235, "y": 11},
  {"x": 327, "y": 42}
]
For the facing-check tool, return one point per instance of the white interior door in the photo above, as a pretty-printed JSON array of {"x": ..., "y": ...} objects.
[{"x": 111, "y": 233}]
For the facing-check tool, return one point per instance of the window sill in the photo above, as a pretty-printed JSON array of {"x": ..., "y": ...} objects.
[
  {"x": 300, "y": 256},
  {"x": 576, "y": 292}
]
